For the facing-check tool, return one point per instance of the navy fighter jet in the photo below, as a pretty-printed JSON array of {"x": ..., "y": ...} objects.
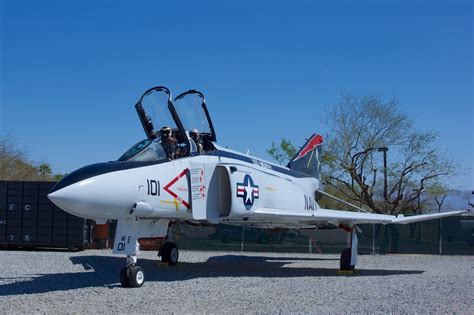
[{"x": 179, "y": 172}]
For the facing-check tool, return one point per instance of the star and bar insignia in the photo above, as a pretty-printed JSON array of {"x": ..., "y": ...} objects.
[{"x": 248, "y": 191}]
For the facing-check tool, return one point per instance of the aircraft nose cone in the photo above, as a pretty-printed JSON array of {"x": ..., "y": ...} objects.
[
  {"x": 61, "y": 197},
  {"x": 73, "y": 199},
  {"x": 56, "y": 197},
  {"x": 95, "y": 192},
  {"x": 87, "y": 172}
]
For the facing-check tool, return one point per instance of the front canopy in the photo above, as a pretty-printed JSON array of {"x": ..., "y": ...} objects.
[{"x": 155, "y": 110}]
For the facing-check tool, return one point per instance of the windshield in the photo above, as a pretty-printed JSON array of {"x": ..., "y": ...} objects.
[
  {"x": 145, "y": 150},
  {"x": 191, "y": 109}
]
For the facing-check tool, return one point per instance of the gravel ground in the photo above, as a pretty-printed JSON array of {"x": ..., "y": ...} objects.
[{"x": 233, "y": 282}]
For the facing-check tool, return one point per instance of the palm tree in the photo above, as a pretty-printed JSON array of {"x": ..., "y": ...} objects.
[{"x": 45, "y": 171}]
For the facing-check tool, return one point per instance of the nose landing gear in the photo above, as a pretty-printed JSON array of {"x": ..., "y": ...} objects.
[
  {"x": 126, "y": 242},
  {"x": 132, "y": 276}
]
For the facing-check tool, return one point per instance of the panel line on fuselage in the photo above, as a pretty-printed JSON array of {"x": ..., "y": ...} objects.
[{"x": 250, "y": 160}]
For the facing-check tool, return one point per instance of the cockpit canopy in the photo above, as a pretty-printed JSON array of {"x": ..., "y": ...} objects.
[
  {"x": 188, "y": 112},
  {"x": 191, "y": 109},
  {"x": 155, "y": 111}
]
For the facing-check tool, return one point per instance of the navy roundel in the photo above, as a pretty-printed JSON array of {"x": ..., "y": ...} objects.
[{"x": 248, "y": 191}]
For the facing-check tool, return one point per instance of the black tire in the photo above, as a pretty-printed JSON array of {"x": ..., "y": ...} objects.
[
  {"x": 345, "y": 262},
  {"x": 165, "y": 252},
  {"x": 124, "y": 278},
  {"x": 174, "y": 255},
  {"x": 136, "y": 276},
  {"x": 170, "y": 253}
]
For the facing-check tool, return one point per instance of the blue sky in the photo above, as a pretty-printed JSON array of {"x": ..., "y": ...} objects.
[{"x": 71, "y": 71}]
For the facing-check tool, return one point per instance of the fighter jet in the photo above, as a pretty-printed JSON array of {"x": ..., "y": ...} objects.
[{"x": 179, "y": 172}]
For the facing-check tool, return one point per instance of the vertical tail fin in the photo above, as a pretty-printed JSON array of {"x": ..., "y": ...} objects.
[{"x": 307, "y": 160}]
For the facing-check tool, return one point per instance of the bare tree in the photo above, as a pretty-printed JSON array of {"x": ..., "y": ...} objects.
[
  {"x": 15, "y": 164},
  {"x": 362, "y": 131},
  {"x": 359, "y": 128},
  {"x": 13, "y": 161},
  {"x": 439, "y": 191}
]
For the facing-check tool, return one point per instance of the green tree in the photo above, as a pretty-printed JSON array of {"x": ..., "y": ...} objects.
[
  {"x": 59, "y": 176},
  {"x": 283, "y": 152}
]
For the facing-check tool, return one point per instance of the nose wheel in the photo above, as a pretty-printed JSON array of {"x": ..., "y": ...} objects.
[{"x": 132, "y": 276}]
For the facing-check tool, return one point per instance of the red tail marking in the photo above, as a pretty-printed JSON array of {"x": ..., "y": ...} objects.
[{"x": 313, "y": 143}]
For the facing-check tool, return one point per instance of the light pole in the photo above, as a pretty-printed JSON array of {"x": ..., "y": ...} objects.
[{"x": 385, "y": 197}]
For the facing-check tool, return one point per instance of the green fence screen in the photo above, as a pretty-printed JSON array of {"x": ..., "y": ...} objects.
[{"x": 451, "y": 236}]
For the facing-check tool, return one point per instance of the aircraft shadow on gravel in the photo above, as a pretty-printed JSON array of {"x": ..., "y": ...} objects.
[{"x": 103, "y": 271}]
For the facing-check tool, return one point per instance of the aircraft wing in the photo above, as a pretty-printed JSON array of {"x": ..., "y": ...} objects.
[{"x": 344, "y": 217}]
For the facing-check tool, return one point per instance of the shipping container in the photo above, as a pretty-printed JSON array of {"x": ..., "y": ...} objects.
[{"x": 29, "y": 219}]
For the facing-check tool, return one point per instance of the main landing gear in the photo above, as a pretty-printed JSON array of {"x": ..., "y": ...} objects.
[
  {"x": 348, "y": 259},
  {"x": 169, "y": 253},
  {"x": 345, "y": 260}
]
